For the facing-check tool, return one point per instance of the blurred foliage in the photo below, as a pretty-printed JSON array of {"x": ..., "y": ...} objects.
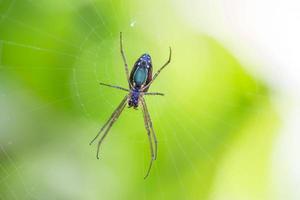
[{"x": 214, "y": 125}]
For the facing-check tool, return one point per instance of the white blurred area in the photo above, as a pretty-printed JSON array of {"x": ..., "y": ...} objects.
[{"x": 264, "y": 35}]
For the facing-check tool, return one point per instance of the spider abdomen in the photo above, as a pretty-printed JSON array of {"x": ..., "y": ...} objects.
[
  {"x": 140, "y": 76},
  {"x": 141, "y": 73}
]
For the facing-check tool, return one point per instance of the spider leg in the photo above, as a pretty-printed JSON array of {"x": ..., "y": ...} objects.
[
  {"x": 115, "y": 86},
  {"x": 158, "y": 71},
  {"x": 124, "y": 57},
  {"x": 150, "y": 140},
  {"x": 150, "y": 125},
  {"x": 111, "y": 117},
  {"x": 113, "y": 120},
  {"x": 153, "y": 93}
]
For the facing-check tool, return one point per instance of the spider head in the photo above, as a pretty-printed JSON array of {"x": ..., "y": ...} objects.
[{"x": 134, "y": 99}]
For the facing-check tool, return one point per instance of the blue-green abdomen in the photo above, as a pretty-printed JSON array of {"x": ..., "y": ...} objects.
[
  {"x": 140, "y": 76},
  {"x": 141, "y": 73}
]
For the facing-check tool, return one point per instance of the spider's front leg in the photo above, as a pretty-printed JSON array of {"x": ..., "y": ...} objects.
[
  {"x": 109, "y": 123},
  {"x": 149, "y": 128},
  {"x": 150, "y": 125},
  {"x": 114, "y": 119}
]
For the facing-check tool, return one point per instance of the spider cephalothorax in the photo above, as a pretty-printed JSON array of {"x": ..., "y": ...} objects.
[
  {"x": 139, "y": 80},
  {"x": 133, "y": 100}
]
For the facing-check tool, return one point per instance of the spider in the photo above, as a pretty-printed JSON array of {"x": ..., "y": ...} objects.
[{"x": 139, "y": 81}]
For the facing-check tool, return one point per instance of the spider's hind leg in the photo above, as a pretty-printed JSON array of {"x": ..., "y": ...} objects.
[
  {"x": 160, "y": 69},
  {"x": 124, "y": 57}
]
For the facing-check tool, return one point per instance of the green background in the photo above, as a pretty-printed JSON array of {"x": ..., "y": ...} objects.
[{"x": 215, "y": 126}]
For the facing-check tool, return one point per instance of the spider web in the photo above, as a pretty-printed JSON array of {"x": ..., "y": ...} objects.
[{"x": 92, "y": 64}]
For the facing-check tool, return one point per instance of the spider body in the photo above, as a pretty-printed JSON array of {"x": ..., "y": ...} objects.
[
  {"x": 141, "y": 73},
  {"x": 139, "y": 81},
  {"x": 134, "y": 98}
]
